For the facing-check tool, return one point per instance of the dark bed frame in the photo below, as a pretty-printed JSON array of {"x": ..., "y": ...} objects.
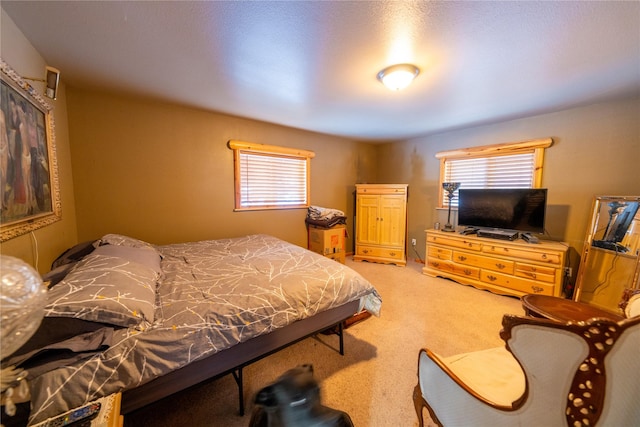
[{"x": 234, "y": 359}]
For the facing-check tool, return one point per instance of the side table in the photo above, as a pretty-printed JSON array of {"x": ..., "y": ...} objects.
[{"x": 563, "y": 310}]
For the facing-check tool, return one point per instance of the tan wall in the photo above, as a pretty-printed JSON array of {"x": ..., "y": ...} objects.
[
  {"x": 45, "y": 244},
  {"x": 596, "y": 151},
  {"x": 163, "y": 173}
]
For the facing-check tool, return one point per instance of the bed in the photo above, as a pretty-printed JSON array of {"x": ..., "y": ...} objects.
[{"x": 151, "y": 320}]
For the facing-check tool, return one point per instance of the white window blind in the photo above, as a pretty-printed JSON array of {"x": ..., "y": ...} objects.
[
  {"x": 511, "y": 165},
  {"x": 510, "y": 171},
  {"x": 270, "y": 177},
  {"x": 268, "y": 180}
]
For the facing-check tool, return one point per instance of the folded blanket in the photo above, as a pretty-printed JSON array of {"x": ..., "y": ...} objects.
[{"x": 317, "y": 212}]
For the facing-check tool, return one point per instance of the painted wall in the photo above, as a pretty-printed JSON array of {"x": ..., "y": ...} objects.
[
  {"x": 163, "y": 172},
  {"x": 596, "y": 151},
  {"x": 43, "y": 245}
]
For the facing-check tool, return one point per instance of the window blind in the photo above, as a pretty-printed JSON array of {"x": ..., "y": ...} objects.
[
  {"x": 272, "y": 180},
  {"x": 505, "y": 171},
  {"x": 269, "y": 176}
]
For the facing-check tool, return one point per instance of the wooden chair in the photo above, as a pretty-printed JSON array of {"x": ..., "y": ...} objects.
[{"x": 550, "y": 374}]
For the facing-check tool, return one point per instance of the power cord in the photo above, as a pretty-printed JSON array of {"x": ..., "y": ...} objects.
[{"x": 417, "y": 254}]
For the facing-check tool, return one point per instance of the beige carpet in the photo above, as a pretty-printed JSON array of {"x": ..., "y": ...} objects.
[{"x": 374, "y": 380}]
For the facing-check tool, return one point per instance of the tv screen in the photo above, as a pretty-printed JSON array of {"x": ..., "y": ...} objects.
[{"x": 521, "y": 209}]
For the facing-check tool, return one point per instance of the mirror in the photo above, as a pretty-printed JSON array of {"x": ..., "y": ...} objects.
[{"x": 610, "y": 260}]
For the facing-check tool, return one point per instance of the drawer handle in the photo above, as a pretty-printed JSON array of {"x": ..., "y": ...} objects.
[
  {"x": 544, "y": 256},
  {"x": 365, "y": 251},
  {"x": 532, "y": 275},
  {"x": 462, "y": 258},
  {"x": 492, "y": 278},
  {"x": 435, "y": 264},
  {"x": 467, "y": 272},
  {"x": 501, "y": 266},
  {"x": 392, "y": 253},
  {"x": 537, "y": 289}
]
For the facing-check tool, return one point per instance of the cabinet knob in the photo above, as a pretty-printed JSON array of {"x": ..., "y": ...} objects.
[
  {"x": 365, "y": 251},
  {"x": 392, "y": 253},
  {"x": 467, "y": 272},
  {"x": 500, "y": 266},
  {"x": 462, "y": 257},
  {"x": 492, "y": 278}
]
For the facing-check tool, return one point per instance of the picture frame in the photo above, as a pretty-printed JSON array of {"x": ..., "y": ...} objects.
[{"x": 29, "y": 187}]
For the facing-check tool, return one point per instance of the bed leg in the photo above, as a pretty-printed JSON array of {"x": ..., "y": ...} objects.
[
  {"x": 237, "y": 375},
  {"x": 341, "y": 335}
]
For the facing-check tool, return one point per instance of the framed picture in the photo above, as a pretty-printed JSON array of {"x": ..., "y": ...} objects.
[{"x": 29, "y": 193}]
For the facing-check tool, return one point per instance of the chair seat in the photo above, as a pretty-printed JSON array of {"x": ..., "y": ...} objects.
[
  {"x": 580, "y": 374},
  {"x": 494, "y": 374}
]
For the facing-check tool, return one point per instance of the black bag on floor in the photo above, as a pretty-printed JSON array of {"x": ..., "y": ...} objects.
[{"x": 294, "y": 401}]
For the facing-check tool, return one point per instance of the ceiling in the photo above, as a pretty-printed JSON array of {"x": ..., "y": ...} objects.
[{"x": 312, "y": 64}]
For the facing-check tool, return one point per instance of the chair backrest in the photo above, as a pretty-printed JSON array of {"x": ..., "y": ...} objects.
[
  {"x": 622, "y": 365},
  {"x": 601, "y": 356}
]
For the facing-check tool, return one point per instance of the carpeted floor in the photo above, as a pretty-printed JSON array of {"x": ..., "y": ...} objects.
[{"x": 374, "y": 380}]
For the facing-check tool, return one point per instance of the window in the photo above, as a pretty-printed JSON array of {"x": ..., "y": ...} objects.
[
  {"x": 511, "y": 165},
  {"x": 270, "y": 177}
]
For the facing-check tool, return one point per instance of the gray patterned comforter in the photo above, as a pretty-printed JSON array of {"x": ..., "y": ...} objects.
[{"x": 211, "y": 296}]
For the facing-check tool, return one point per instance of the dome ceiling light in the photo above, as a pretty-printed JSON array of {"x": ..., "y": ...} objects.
[{"x": 399, "y": 76}]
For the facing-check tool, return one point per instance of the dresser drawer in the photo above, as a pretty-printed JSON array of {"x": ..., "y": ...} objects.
[
  {"x": 439, "y": 253},
  {"x": 374, "y": 251},
  {"x": 483, "y": 262},
  {"x": 394, "y": 189},
  {"x": 443, "y": 239},
  {"x": 516, "y": 283},
  {"x": 536, "y": 272},
  {"x": 451, "y": 267},
  {"x": 540, "y": 256}
]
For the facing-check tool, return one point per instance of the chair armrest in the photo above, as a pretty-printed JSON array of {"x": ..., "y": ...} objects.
[{"x": 492, "y": 376}]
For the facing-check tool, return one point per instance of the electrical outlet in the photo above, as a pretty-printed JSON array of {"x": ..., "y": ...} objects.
[
  {"x": 413, "y": 242},
  {"x": 568, "y": 271}
]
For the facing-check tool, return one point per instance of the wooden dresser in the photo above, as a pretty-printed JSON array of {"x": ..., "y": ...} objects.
[
  {"x": 381, "y": 223},
  {"x": 501, "y": 266}
]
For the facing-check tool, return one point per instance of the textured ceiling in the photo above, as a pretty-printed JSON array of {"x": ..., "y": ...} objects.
[{"x": 313, "y": 65}]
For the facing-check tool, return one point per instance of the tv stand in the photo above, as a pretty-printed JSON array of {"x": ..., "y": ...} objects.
[{"x": 504, "y": 267}]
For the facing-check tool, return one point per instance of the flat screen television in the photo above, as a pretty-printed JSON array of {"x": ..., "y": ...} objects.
[{"x": 521, "y": 209}]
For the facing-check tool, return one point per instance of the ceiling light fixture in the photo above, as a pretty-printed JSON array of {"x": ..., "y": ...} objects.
[{"x": 399, "y": 76}]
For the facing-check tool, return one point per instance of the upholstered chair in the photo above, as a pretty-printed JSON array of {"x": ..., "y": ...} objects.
[{"x": 550, "y": 374}]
